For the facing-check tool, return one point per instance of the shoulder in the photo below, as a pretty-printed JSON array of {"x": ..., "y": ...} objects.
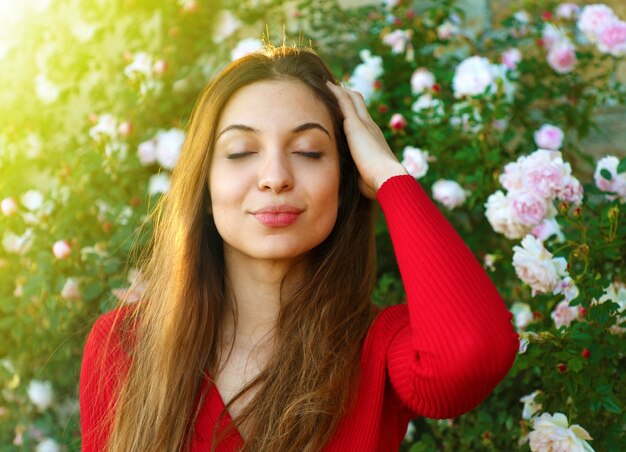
[
  {"x": 387, "y": 324},
  {"x": 107, "y": 325},
  {"x": 107, "y": 346}
]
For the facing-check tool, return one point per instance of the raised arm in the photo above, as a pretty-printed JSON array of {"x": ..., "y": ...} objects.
[{"x": 459, "y": 341}]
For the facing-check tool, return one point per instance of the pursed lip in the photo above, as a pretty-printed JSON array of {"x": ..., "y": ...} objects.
[
  {"x": 283, "y": 208},
  {"x": 278, "y": 216}
]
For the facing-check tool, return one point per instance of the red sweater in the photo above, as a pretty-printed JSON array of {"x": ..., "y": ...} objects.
[{"x": 437, "y": 356}]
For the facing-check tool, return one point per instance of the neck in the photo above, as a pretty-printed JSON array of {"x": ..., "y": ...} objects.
[{"x": 256, "y": 287}]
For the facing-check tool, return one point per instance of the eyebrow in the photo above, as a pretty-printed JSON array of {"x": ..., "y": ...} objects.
[{"x": 299, "y": 129}]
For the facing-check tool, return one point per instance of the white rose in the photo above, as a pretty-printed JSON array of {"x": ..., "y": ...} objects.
[
  {"x": 567, "y": 287},
  {"x": 415, "y": 161},
  {"x": 446, "y": 30},
  {"x": 501, "y": 217},
  {"x": 365, "y": 75},
  {"x": 397, "y": 40},
  {"x": 9, "y": 206},
  {"x": 530, "y": 406},
  {"x": 168, "y": 146},
  {"x": 473, "y": 76},
  {"x": 449, "y": 193},
  {"x": 71, "y": 289},
  {"x": 46, "y": 90},
  {"x": 40, "y": 394},
  {"x": 245, "y": 47},
  {"x": 48, "y": 445},
  {"x": 522, "y": 314},
  {"x": 17, "y": 244},
  {"x": 421, "y": 80},
  {"x": 140, "y": 67},
  {"x": 429, "y": 107},
  {"x": 617, "y": 183},
  {"x": 567, "y": 10},
  {"x": 552, "y": 433},
  {"x": 547, "y": 228},
  {"x": 536, "y": 267},
  {"x": 106, "y": 127},
  {"x": 227, "y": 24},
  {"x": 32, "y": 200},
  {"x": 146, "y": 152},
  {"x": 158, "y": 183}
]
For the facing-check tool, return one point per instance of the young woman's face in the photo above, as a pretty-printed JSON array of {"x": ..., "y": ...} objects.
[{"x": 274, "y": 178}]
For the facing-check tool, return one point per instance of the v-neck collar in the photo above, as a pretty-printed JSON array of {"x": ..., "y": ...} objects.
[{"x": 214, "y": 405}]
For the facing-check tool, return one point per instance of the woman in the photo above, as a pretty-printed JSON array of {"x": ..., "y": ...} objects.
[{"x": 256, "y": 331}]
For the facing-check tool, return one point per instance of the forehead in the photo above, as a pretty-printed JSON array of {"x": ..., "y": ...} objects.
[{"x": 270, "y": 104}]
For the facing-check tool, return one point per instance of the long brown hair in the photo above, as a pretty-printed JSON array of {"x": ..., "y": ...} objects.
[{"x": 310, "y": 381}]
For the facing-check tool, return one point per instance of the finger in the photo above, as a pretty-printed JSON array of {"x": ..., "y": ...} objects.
[
  {"x": 359, "y": 105},
  {"x": 345, "y": 101}
]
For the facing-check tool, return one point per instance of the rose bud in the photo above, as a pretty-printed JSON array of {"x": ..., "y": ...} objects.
[
  {"x": 61, "y": 249},
  {"x": 397, "y": 122}
]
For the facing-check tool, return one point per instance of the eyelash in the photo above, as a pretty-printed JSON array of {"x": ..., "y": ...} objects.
[{"x": 309, "y": 154}]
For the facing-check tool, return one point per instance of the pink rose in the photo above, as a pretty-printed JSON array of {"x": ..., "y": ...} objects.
[
  {"x": 397, "y": 122},
  {"x": 562, "y": 57},
  {"x": 572, "y": 191},
  {"x": 159, "y": 67},
  {"x": 549, "y": 137},
  {"x": 512, "y": 177},
  {"x": 546, "y": 229},
  {"x": 125, "y": 128},
  {"x": 511, "y": 57},
  {"x": 529, "y": 207},
  {"x": 564, "y": 314},
  {"x": 61, "y": 249},
  {"x": 612, "y": 39},
  {"x": 595, "y": 18}
]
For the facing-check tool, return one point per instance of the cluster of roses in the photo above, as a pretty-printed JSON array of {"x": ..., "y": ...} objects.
[
  {"x": 163, "y": 148},
  {"x": 145, "y": 72},
  {"x": 533, "y": 183},
  {"x": 596, "y": 24}
]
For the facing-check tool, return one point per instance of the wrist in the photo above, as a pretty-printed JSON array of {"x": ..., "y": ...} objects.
[{"x": 388, "y": 173}]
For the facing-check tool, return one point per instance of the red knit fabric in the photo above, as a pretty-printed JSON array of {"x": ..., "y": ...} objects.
[{"x": 437, "y": 356}]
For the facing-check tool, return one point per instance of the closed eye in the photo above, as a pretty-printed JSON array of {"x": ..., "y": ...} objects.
[
  {"x": 310, "y": 154},
  {"x": 237, "y": 155}
]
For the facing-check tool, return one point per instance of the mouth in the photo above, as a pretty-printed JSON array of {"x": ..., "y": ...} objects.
[{"x": 277, "y": 216}]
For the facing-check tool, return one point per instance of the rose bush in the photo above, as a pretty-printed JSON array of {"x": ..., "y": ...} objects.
[{"x": 491, "y": 123}]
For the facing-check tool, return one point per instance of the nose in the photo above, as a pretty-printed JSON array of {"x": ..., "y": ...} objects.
[{"x": 275, "y": 173}]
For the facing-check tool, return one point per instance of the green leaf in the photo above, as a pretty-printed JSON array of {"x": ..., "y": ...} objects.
[
  {"x": 575, "y": 364},
  {"x": 606, "y": 174},
  {"x": 92, "y": 290},
  {"x": 604, "y": 389},
  {"x": 611, "y": 405},
  {"x": 621, "y": 167}
]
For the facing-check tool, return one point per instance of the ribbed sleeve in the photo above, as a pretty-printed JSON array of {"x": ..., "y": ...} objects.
[{"x": 459, "y": 341}]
